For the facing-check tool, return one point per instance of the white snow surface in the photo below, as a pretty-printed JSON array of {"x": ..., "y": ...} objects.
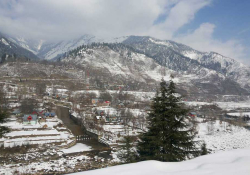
[
  {"x": 34, "y": 132},
  {"x": 238, "y": 114},
  {"x": 228, "y": 163},
  {"x": 79, "y": 147},
  {"x": 223, "y": 105},
  {"x": 222, "y": 136},
  {"x": 4, "y": 42},
  {"x": 233, "y": 105},
  {"x": 23, "y": 134}
]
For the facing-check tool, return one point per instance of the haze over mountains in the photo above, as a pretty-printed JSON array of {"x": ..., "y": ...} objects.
[
  {"x": 51, "y": 50},
  {"x": 14, "y": 49},
  {"x": 142, "y": 58}
]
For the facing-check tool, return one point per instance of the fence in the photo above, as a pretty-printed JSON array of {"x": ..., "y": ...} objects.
[{"x": 83, "y": 137}]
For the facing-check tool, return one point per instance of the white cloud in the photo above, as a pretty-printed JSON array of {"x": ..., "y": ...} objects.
[
  {"x": 202, "y": 39},
  {"x": 67, "y": 19},
  {"x": 179, "y": 15},
  {"x": 71, "y": 18},
  {"x": 57, "y": 19}
]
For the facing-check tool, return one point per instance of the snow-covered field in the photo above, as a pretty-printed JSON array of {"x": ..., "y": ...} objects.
[
  {"x": 60, "y": 165},
  {"x": 222, "y": 105},
  {"x": 238, "y": 114},
  {"x": 224, "y": 163},
  {"x": 221, "y": 136},
  {"x": 29, "y": 134},
  {"x": 233, "y": 105},
  {"x": 196, "y": 103},
  {"x": 79, "y": 147}
]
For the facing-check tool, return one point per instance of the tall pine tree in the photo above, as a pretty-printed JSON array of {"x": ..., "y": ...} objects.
[
  {"x": 169, "y": 137},
  {"x": 3, "y": 117},
  {"x": 3, "y": 114},
  {"x": 127, "y": 153}
]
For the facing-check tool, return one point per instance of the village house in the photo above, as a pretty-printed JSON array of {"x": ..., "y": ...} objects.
[
  {"x": 112, "y": 118},
  {"x": 30, "y": 119},
  {"x": 96, "y": 101},
  {"x": 192, "y": 114},
  {"x": 100, "y": 102},
  {"x": 16, "y": 112},
  {"x": 100, "y": 112},
  {"x": 41, "y": 112},
  {"x": 50, "y": 114}
]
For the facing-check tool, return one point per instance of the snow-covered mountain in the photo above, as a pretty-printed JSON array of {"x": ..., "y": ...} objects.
[
  {"x": 52, "y": 50},
  {"x": 11, "y": 50},
  {"x": 33, "y": 46},
  {"x": 139, "y": 54},
  {"x": 181, "y": 58},
  {"x": 129, "y": 63}
]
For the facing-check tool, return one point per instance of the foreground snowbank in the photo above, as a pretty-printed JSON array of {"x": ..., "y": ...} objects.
[{"x": 229, "y": 163}]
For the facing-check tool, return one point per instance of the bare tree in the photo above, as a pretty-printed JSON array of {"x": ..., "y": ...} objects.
[
  {"x": 105, "y": 96},
  {"x": 40, "y": 88},
  {"x": 28, "y": 106},
  {"x": 126, "y": 116}
]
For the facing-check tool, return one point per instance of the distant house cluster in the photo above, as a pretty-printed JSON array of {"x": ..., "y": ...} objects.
[
  {"x": 35, "y": 117},
  {"x": 101, "y": 115},
  {"x": 100, "y": 102}
]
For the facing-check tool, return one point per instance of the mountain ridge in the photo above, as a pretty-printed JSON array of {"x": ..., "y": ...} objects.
[
  {"x": 211, "y": 60},
  {"x": 175, "y": 57},
  {"x": 11, "y": 51},
  {"x": 120, "y": 59}
]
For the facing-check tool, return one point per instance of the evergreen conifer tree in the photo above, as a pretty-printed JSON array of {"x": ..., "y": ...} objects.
[
  {"x": 169, "y": 137},
  {"x": 3, "y": 114},
  {"x": 204, "y": 150},
  {"x": 127, "y": 154}
]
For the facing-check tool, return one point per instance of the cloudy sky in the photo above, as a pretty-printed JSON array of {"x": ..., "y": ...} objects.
[{"x": 222, "y": 26}]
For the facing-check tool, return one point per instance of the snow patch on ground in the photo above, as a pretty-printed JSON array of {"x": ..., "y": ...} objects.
[
  {"x": 222, "y": 136},
  {"x": 79, "y": 147}
]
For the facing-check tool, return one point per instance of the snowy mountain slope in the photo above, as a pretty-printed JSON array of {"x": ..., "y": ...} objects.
[
  {"x": 11, "y": 50},
  {"x": 51, "y": 50},
  {"x": 117, "y": 61},
  {"x": 217, "y": 72},
  {"x": 222, "y": 136},
  {"x": 170, "y": 53},
  {"x": 121, "y": 60},
  {"x": 33, "y": 46},
  {"x": 229, "y": 163}
]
